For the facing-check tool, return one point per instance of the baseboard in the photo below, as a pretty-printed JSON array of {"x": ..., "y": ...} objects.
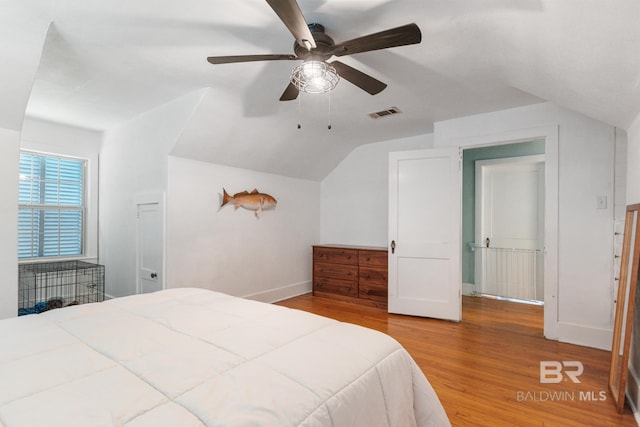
[
  {"x": 584, "y": 335},
  {"x": 468, "y": 289},
  {"x": 282, "y": 293},
  {"x": 107, "y": 296}
]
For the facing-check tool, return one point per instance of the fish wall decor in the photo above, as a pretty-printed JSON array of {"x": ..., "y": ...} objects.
[{"x": 254, "y": 201}]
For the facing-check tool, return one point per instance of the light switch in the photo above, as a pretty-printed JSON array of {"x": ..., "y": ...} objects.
[{"x": 601, "y": 202}]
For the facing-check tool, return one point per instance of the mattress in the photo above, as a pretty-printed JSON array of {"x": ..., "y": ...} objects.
[{"x": 193, "y": 357}]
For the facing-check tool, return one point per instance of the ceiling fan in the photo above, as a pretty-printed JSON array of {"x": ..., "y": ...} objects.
[{"x": 314, "y": 47}]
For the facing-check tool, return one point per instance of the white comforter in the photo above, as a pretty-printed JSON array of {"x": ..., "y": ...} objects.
[{"x": 192, "y": 357}]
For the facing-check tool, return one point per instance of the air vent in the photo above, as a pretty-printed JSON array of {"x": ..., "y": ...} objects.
[{"x": 388, "y": 112}]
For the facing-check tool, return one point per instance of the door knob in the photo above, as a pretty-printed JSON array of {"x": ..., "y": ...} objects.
[
  {"x": 154, "y": 275},
  {"x": 393, "y": 246}
]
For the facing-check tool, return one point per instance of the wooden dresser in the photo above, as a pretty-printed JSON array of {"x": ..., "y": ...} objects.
[{"x": 352, "y": 273}]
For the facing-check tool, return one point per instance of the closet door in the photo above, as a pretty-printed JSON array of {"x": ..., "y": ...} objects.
[{"x": 150, "y": 245}]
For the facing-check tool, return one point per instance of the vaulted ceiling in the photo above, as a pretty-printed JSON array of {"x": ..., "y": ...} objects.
[{"x": 98, "y": 64}]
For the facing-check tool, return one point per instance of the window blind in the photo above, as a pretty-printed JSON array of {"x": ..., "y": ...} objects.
[{"x": 51, "y": 206}]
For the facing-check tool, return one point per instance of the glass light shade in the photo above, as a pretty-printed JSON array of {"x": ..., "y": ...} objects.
[{"x": 314, "y": 77}]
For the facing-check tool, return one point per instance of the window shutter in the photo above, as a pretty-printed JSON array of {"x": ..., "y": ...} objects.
[{"x": 52, "y": 206}]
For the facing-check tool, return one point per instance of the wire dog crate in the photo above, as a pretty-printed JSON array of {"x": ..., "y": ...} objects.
[{"x": 44, "y": 286}]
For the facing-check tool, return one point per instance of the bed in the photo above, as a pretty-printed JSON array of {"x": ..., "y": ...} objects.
[{"x": 193, "y": 357}]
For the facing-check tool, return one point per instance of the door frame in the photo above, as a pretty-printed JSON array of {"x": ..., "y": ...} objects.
[
  {"x": 551, "y": 214},
  {"x": 156, "y": 198}
]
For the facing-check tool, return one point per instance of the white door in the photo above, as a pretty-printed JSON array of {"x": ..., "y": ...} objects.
[
  {"x": 150, "y": 247},
  {"x": 510, "y": 227},
  {"x": 424, "y": 233}
]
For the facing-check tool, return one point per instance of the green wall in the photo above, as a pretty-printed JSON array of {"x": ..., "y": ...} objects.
[{"x": 469, "y": 158}]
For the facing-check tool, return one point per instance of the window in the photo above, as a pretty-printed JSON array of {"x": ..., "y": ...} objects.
[{"x": 52, "y": 207}]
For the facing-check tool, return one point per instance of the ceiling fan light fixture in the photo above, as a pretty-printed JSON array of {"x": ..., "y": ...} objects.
[{"x": 314, "y": 76}]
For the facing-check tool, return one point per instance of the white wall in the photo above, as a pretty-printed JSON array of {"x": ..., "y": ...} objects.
[
  {"x": 585, "y": 237},
  {"x": 53, "y": 138},
  {"x": 230, "y": 250},
  {"x": 355, "y": 195},
  {"x": 9, "y": 158},
  {"x": 133, "y": 161}
]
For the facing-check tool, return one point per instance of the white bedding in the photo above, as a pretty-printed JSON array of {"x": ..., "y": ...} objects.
[{"x": 192, "y": 357}]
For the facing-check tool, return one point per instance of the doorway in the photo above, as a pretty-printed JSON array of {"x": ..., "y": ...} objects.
[
  {"x": 503, "y": 221},
  {"x": 464, "y": 230},
  {"x": 510, "y": 228}
]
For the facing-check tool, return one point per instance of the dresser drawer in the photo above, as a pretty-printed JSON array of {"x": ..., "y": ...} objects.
[
  {"x": 335, "y": 255},
  {"x": 373, "y": 276},
  {"x": 371, "y": 291},
  {"x": 335, "y": 286},
  {"x": 373, "y": 283},
  {"x": 373, "y": 258},
  {"x": 336, "y": 271}
]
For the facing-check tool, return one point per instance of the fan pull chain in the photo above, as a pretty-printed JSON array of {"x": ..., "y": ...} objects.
[
  {"x": 329, "y": 126},
  {"x": 299, "y": 96}
]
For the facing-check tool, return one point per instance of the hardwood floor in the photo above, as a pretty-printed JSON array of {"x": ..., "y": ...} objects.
[{"x": 486, "y": 369}]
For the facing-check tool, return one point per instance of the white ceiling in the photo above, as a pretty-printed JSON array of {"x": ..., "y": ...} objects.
[{"x": 98, "y": 64}]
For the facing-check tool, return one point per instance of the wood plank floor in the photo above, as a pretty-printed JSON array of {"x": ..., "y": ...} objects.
[{"x": 486, "y": 369}]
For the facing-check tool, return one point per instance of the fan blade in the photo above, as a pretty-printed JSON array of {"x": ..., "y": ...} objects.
[
  {"x": 248, "y": 58},
  {"x": 290, "y": 93},
  {"x": 290, "y": 14},
  {"x": 399, "y": 36},
  {"x": 358, "y": 78}
]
